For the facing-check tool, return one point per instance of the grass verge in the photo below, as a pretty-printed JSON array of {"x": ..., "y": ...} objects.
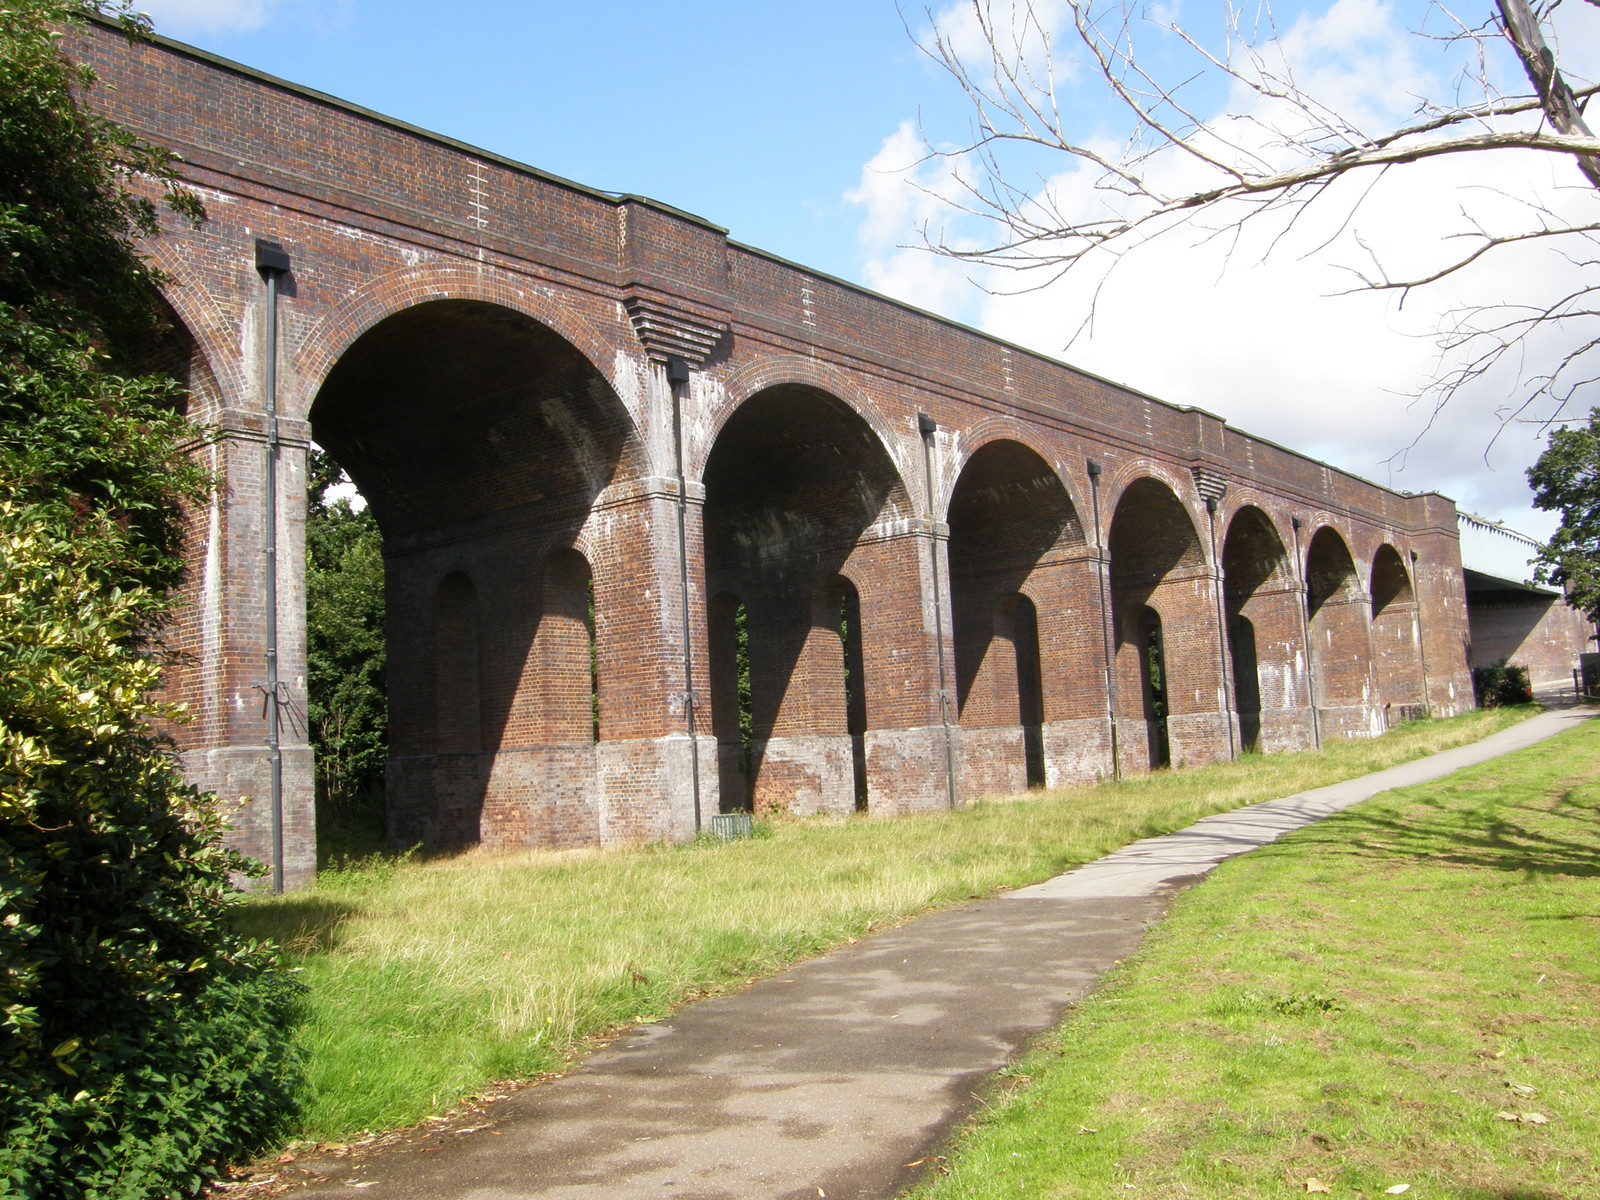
[
  {"x": 1403, "y": 999},
  {"x": 429, "y": 980}
]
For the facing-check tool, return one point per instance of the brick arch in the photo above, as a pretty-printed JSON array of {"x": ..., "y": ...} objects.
[
  {"x": 215, "y": 336},
  {"x": 756, "y": 377},
  {"x": 1397, "y": 668},
  {"x": 1339, "y": 630},
  {"x": 1241, "y": 496},
  {"x": 1115, "y": 485},
  {"x": 1388, "y": 560},
  {"x": 974, "y": 438},
  {"x": 406, "y": 287},
  {"x": 1339, "y": 542}
]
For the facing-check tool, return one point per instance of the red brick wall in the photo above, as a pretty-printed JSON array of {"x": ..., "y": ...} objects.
[
  {"x": 483, "y": 346},
  {"x": 1538, "y": 632}
]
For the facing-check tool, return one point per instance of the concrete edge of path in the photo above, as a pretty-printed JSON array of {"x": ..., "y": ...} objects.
[{"x": 1145, "y": 867}]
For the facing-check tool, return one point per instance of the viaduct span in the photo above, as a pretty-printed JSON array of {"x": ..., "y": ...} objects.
[{"x": 958, "y": 567}]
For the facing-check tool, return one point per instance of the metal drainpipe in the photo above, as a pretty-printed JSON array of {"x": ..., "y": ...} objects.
[
  {"x": 677, "y": 383},
  {"x": 272, "y": 261},
  {"x": 1305, "y": 634},
  {"x": 1229, "y": 696},
  {"x": 1422, "y": 647},
  {"x": 927, "y": 427},
  {"x": 1105, "y": 619}
]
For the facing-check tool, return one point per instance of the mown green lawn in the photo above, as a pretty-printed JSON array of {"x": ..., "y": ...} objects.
[
  {"x": 430, "y": 980},
  {"x": 1403, "y": 999}
]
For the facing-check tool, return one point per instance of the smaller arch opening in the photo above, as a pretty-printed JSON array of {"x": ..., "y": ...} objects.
[
  {"x": 1246, "y": 682},
  {"x": 1153, "y": 678},
  {"x": 732, "y": 719},
  {"x": 840, "y": 603},
  {"x": 565, "y": 645},
  {"x": 1017, "y": 621}
]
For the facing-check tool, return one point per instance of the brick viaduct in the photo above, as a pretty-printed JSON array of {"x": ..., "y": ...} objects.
[{"x": 960, "y": 568}]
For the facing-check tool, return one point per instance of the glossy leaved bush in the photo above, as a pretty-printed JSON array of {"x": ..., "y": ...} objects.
[{"x": 145, "y": 1041}]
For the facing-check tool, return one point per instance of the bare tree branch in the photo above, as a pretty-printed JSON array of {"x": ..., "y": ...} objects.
[{"x": 1279, "y": 150}]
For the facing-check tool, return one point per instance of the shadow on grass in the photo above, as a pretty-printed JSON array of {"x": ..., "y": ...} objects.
[
  {"x": 1535, "y": 841},
  {"x": 303, "y": 925}
]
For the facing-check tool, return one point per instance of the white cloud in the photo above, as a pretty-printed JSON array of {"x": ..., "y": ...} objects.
[
  {"x": 179, "y": 17},
  {"x": 1016, "y": 24},
  {"x": 196, "y": 18},
  {"x": 905, "y": 192}
]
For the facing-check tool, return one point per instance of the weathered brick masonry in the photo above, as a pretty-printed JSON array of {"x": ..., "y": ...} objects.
[{"x": 1059, "y": 566}]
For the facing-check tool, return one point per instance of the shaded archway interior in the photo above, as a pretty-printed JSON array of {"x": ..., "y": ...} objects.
[
  {"x": 799, "y": 491},
  {"x": 1338, "y": 628},
  {"x": 1157, "y": 570},
  {"x": 1263, "y": 622},
  {"x": 481, "y": 439},
  {"x": 1009, "y": 516},
  {"x": 1396, "y": 639}
]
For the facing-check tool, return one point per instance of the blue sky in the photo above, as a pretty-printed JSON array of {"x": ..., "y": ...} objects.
[{"x": 797, "y": 127}]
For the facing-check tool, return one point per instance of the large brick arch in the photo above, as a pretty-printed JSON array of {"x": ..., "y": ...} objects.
[
  {"x": 1396, "y": 636},
  {"x": 1263, "y": 610},
  {"x": 1339, "y": 624},
  {"x": 971, "y": 441},
  {"x": 763, "y": 374},
  {"x": 801, "y": 492},
  {"x": 1162, "y": 592},
  {"x": 1021, "y": 651},
  {"x": 387, "y": 295}
]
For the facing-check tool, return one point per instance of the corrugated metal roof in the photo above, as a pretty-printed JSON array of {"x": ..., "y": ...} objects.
[{"x": 1491, "y": 549}]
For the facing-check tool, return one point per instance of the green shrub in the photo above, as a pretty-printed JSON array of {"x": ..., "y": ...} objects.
[
  {"x": 146, "y": 1042},
  {"x": 1500, "y": 685}
]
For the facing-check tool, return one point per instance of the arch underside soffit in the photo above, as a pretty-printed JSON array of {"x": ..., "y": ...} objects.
[
  {"x": 1151, "y": 539},
  {"x": 1330, "y": 571},
  {"x": 1391, "y": 583},
  {"x": 1008, "y": 512},
  {"x": 1253, "y": 558},
  {"x": 456, "y": 409},
  {"x": 794, "y": 482}
]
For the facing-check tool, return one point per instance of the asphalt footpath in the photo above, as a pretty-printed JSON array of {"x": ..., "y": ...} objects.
[{"x": 841, "y": 1078}]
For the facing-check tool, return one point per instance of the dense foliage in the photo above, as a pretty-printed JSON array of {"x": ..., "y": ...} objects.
[
  {"x": 1501, "y": 685},
  {"x": 145, "y": 1040},
  {"x": 1566, "y": 480},
  {"x": 345, "y": 660}
]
